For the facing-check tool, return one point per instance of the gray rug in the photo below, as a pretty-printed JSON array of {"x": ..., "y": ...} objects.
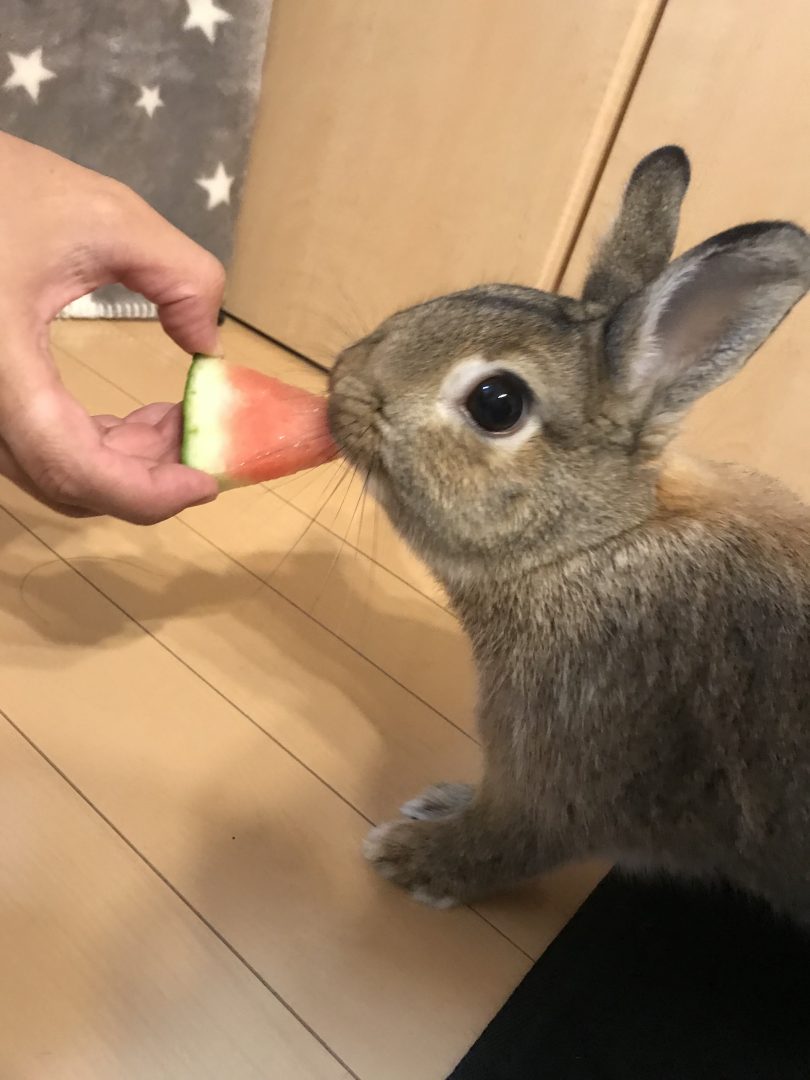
[{"x": 160, "y": 94}]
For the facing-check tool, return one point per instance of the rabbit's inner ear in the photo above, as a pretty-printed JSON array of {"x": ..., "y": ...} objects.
[
  {"x": 642, "y": 239},
  {"x": 705, "y": 316}
]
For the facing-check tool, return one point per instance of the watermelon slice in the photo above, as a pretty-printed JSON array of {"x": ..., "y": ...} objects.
[{"x": 244, "y": 427}]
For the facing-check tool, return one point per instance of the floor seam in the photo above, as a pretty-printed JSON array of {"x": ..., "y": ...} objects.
[
  {"x": 237, "y": 708},
  {"x": 176, "y": 892}
]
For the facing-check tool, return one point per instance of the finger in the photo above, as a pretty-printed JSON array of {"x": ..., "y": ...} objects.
[
  {"x": 153, "y": 431},
  {"x": 143, "y": 441},
  {"x": 167, "y": 421},
  {"x": 105, "y": 421},
  {"x": 145, "y": 493},
  {"x": 63, "y": 455},
  {"x": 132, "y": 489},
  {"x": 185, "y": 281},
  {"x": 171, "y": 425},
  {"x": 152, "y": 414}
]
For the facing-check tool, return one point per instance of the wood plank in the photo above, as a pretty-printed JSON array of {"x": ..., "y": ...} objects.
[
  {"x": 404, "y": 150},
  {"x": 106, "y": 972},
  {"x": 256, "y": 843},
  {"x": 268, "y": 658},
  {"x": 735, "y": 96}
]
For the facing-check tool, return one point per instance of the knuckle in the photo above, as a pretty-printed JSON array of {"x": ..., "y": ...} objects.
[
  {"x": 58, "y": 482},
  {"x": 113, "y": 203}
]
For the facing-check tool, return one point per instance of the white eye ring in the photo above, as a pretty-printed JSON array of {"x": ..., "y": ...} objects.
[{"x": 456, "y": 388}]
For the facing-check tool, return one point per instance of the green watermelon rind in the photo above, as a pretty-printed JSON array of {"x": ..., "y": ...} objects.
[
  {"x": 188, "y": 393},
  {"x": 189, "y": 424},
  {"x": 191, "y": 431}
]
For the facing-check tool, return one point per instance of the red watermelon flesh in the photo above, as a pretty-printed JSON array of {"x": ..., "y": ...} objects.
[{"x": 244, "y": 427}]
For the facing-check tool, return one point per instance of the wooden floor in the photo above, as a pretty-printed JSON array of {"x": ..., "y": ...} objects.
[{"x": 199, "y": 721}]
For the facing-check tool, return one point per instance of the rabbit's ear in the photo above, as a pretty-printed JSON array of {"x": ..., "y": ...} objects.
[
  {"x": 699, "y": 321},
  {"x": 642, "y": 239}
]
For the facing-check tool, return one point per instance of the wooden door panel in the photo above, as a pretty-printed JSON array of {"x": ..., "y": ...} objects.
[
  {"x": 729, "y": 81},
  {"x": 404, "y": 150}
]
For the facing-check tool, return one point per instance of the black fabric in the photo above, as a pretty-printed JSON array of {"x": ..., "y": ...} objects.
[{"x": 657, "y": 981}]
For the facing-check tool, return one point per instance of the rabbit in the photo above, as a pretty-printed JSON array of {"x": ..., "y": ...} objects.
[{"x": 640, "y": 623}]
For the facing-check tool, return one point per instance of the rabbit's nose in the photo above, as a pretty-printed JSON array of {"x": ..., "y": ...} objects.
[
  {"x": 340, "y": 362},
  {"x": 353, "y": 385}
]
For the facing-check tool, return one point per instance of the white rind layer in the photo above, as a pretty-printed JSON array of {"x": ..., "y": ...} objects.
[{"x": 209, "y": 404}]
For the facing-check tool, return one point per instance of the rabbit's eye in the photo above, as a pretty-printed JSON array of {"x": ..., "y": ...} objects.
[{"x": 499, "y": 403}]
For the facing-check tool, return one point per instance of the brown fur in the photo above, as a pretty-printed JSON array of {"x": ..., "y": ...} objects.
[{"x": 641, "y": 624}]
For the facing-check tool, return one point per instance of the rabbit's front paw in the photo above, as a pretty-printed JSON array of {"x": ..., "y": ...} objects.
[
  {"x": 437, "y": 801},
  {"x": 403, "y": 852}
]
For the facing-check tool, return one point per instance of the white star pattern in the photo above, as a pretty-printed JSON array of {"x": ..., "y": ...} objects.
[
  {"x": 149, "y": 100},
  {"x": 218, "y": 187},
  {"x": 29, "y": 73},
  {"x": 205, "y": 15}
]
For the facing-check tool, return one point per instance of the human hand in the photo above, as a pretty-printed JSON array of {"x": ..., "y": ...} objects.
[{"x": 65, "y": 231}]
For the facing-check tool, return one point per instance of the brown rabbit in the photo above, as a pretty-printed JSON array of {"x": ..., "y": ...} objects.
[{"x": 641, "y": 627}]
